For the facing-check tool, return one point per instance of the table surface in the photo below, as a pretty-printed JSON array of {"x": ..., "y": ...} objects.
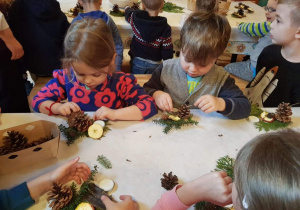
[
  {"x": 188, "y": 153},
  {"x": 175, "y": 20}
]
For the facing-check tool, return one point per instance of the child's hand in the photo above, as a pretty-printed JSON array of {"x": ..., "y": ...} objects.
[
  {"x": 104, "y": 113},
  {"x": 65, "y": 109},
  {"x": 71, "y": 170},
  {"x": 163, "y": 100},
  {"x": 126, "y": 204},
  {"x": 213, "y": 187},
  {"x": 209, "y": 103}
]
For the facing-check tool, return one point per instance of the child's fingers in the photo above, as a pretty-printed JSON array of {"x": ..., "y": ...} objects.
[
  {"x": 227, "y": 180},
  {"x": 170, "y": 103}
]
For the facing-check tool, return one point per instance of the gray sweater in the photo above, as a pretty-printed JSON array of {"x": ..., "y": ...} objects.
[{"x": 171, "y": 78}]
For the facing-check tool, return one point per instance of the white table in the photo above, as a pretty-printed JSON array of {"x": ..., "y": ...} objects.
[
  {"x": 188, "y": 153},
  {"x": 239, "y": 42}
]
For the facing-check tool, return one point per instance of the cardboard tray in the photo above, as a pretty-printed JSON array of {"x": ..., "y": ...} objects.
[{"x": 33, "y": 131}]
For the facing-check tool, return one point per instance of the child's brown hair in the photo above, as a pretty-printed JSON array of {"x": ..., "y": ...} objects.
[
  {"x": 295, "y": 13},
  {"x": 89, "y": 1},
  {"x": 89, "y": 41},
  {"x": 209, "y": 6},
  {"x": 153, "y": 4},
  {"x": 204, "y": 36},
  {"x": 267, "y": 171}
]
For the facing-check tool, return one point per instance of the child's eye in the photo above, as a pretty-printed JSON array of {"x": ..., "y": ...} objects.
[{"x": 97, "y": 75}]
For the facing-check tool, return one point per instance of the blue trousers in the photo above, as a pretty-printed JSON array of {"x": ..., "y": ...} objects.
[{"x": 139, "y": 66}]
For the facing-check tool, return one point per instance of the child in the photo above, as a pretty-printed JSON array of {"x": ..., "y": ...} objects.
[
  {"x": 285, "y": 53},
  {"x": 194, "y": 79},
  {"x": 247, "y": 69},
  {"x": 25, "y": 194},
  {"x": 92, "y": 10},
  {"x": 151, "y": 40},
  {"x": 266, "y": 176},
  {"x": 88, "y": 81}
]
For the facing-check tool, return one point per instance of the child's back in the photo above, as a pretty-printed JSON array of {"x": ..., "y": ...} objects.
[{"x": 152, "y": 40}]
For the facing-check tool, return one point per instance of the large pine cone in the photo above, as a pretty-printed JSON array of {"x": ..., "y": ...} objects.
[
  {"x": 284, "y": 112},
  {"x": 5, "y": 150},
  {"x": 80, "y": 121},
  {"x": 184, "y": 111},
  {"x": 59, "y": 196},
  {"x": 169, "y": 181},
  {"x": 15, "y": 140}
]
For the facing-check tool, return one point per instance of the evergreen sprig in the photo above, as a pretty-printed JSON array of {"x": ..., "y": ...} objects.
[
  {"x": 266, "y": 126},
  {"x": 78, "y": 196},
  {"x": 71, "y": 134},
  {"x": 226, "y": 164},
  {"x": 117, "y": 14},
  {"x": 104, "y": 162},
  {"x": 171, "y": 7},
  {"x": 169, "y": 124},
  {"x": 204, "y": 205}
]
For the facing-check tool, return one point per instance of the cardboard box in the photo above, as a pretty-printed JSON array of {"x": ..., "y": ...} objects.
[{"x": 33, "y": 131}]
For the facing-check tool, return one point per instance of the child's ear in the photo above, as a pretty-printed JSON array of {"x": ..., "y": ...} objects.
[
  {"x": 143, "y": 6},
  {"x": 162, "y": 5}
]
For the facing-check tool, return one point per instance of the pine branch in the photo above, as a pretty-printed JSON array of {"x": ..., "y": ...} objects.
[
  {"x": 106, "y": 128},
  {"x": 71, "y": 134},
  {"x": 171, "y": 7},
  {"x": 255, "y": 111},
  {"x": 204, "y": 205},
  {"x": 226, "y": 164},
  {"x": 169, "y": 124},
  {"x": 104, "y": 162},
  {"x": 78, "y": 196},
  {"x": 117, "y": 14}
]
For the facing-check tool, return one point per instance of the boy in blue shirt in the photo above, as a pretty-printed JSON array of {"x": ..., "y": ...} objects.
[{"x": 92, "y": 10}]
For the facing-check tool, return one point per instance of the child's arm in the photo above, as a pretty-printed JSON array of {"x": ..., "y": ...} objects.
[
  {"x": 128, "y": 113},
  {"x": 155, "y": 88},
  {"x": 237, "y": 106},
  {"x": 255, "y": 29},
  {"x": 118, "y": 42},
  {"x": 56, "y": 108},
  {"x": 128, "y": 13},
  {"x": 54, "y": 91},
  {"x": 126, "y": 204},
  {"x": 167, "y": 45},
  {"x": 214, "y": 187}
]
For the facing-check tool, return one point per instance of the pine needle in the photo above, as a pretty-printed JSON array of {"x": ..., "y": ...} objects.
[
  {"x": 71, "y": 134},
  {"x": 78, "y": 196},
  {"x": 170, "y": 124},
  {"x": 226, "y": 164},
  {"x": 171, "y": 7},
  {"x": 104, "y": 162}
]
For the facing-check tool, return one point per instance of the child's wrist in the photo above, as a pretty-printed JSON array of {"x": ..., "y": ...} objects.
[{"x": 55, "y": 107}]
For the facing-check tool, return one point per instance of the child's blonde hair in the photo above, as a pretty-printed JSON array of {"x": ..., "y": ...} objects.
[
  {"x": 267, "y": 172},
  {"x": 207, "y": 5},
  {"x": 153, "y": 4},
  {"x": 89, "y": 41},
  {"x": 204, "y": 36},
  {"x": 295, "y": 13}
]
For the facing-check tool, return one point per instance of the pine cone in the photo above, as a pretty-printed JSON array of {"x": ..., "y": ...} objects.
[
  {"x": 164, "y": 117},
  {"x": 59, "y": 196},
  {"x": 135, "y": 6},
  {"x": 116, "y": 8},
  {"x": 284, "y": 112},
  {"x": 169, "y": 181},
  {"x": 80, "y": 121},
  {"x": 240, "y": 12},
  {"x": 184, "y": 111},
  {"x": 15, "y": 140},
  {"x": 5, "y": 150}
]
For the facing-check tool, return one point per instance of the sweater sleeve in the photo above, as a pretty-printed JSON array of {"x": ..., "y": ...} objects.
[
  {"x": 17, "y": 198},
  {"x": 118, "y": 42},
  {"x": 128, "y": 12},
  {"x": 167, "y": 45},
  {"x": 54, "y": 90},
  {"x": 237, "y": 104},
  {"x": 170, "y": 201},
  {"x": 133, "y": 94},
  {"x": 255, "y": 29},
  {"x": 154, "y": 84}
]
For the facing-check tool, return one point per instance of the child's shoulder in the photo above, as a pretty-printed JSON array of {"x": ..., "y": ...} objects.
[{"x": 124, "y": 77}]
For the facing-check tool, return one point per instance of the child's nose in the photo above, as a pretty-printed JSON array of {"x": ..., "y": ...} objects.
[{"x": 87, "y": 80}]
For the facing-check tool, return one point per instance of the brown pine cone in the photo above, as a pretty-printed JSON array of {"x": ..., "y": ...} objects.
[
  {"x": 15, "y": 140},
  {"x": 283, "y": 112},
  {"x": 116, "y": 8},
  {"x": 169, "y": 181},
  {"x": 59, "y": 196},
  {"x": 184, "y": 111},
  {"x": 80, "y": 121},
  {"x": 5, "y": 150}
]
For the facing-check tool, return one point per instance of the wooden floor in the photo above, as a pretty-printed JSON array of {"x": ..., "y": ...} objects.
[{"x": 142, "y": 78}]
